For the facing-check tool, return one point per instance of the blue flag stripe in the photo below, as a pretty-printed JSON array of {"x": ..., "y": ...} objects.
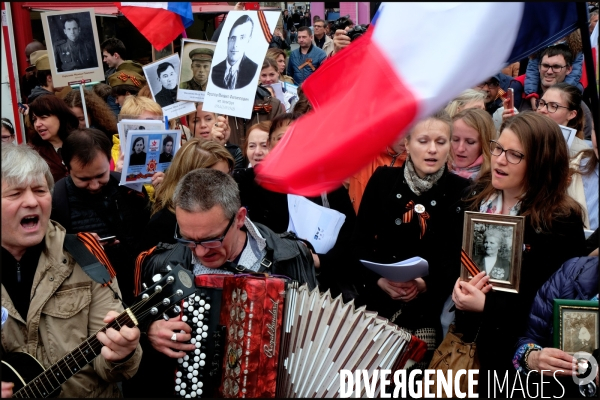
[{"x": 184, "y": 9}]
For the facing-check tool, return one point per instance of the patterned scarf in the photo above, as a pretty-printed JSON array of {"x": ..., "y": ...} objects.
[
  {"x": 417, "y": 184},
  {"x": 493, "y": 205},
  {"x": 471, "y": 171}
]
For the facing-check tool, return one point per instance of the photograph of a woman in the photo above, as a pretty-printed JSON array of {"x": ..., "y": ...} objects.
[
  {"x": 494, "y": 258},
  {"x": 138, "y": 155}
]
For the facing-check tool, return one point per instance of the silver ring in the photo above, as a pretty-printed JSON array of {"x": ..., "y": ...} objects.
[{"x": 174, "y": 337}]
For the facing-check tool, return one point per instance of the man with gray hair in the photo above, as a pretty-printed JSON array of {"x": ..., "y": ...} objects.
[
  {"x": 214, "y": 236},
  {"x": 52, "y": 302}
]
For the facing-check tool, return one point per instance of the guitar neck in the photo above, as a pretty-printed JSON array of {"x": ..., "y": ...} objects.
[{"x": 51, "y": 379}]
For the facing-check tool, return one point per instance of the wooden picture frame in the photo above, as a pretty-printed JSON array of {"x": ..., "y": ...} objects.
[
  {"x": 495, "y": 238},
  {"x": 575, "y": 325}
]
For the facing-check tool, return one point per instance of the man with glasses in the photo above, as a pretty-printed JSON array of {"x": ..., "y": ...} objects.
[
  {"x": 321, "y": 40},
  {"x": 494, "y": 87},
  {"x": 214, "y": 236}
]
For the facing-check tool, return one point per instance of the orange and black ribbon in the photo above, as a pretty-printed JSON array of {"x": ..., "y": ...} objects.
[
  {"x": 309, "y": 63},
  {"x": 123, "y": 76},
  {"x": 96, "y": 249},
  {"x": 423, "y": 217},
  {"x": 468, "y": 263},
  {"x": 263, "y": 108},
  {"x": 265, "y": 26}
]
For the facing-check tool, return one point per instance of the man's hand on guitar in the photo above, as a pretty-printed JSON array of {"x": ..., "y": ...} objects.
[
  {"x": 7, "y": 388},
  {"x": 160, "y": 334},
  {"x": 118, "y": 344}
]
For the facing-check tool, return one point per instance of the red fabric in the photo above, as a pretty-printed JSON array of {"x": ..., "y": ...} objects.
[
  {"x": 584, "y": 78},
  {"x": 160, "y": 27},
  {"x": 352, "y": 121},
  {"x": 210, "y": 280},
  {"x": 252, "y": 310}
]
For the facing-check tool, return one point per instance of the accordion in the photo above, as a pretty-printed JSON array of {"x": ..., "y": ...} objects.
[{"x": 273, "y": 338}]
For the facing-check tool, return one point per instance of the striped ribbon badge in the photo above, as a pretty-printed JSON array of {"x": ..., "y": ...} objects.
[
  {"x": 469, "y": 263},
  {"x": 265, "y": 26}
]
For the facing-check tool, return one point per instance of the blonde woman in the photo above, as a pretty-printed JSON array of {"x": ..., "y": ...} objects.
[
  {"x": 470, "y": 98},
  {"x": 472, "y": 131},
  {"x": 197, "y": 153}
]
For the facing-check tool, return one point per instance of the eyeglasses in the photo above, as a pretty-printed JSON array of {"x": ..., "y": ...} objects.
[
  {"x": 208, "y": 243},
  {"x": 551, "y": 107},
  {"x": 555, "y": 68},
  {"x": 6, "y": 139},
  {"x": 512, "y": 156},
  {"x": 490, "y": 84}
]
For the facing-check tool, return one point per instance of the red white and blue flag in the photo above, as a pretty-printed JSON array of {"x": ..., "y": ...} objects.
[
  {"x": 416, "y": 58},
  {"x": 159, "y": 22}
]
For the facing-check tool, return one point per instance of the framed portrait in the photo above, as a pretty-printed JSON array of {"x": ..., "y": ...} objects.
[
  {"x": 126, "y": 125},
  {"x": 73, "y": 46},
  {"x": 163, "y": 78},
  {"x": 196, "y": 60},
  {"x": 166, "y": 52},
  {"x": 495, "y": 244},
  {"x": 575, "y": 325},
  {"x": 148, "y": 152},
  {"x": 237, "y": 62}
]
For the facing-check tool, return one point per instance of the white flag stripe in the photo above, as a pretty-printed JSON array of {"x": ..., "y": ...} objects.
[
  {"x": 158, "y": 4},
  {"x": 440, "y": 49}
]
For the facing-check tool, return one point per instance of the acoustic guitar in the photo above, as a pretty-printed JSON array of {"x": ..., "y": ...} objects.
[{"x": 33, "y": 381}]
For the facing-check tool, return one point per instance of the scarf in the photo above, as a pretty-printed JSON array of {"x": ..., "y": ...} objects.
[
  {"x": 493, "y": 205},
  {"x": 417, "y": 184},
  {"x": 471, "y": 171}
]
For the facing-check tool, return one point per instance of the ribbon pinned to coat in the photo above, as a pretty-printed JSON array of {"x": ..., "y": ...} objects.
[
  {"x": 265, "y": 26},
  {"x": 307, "y": 62},
  {"x": 123, "y": 76},
  {"x": 264, "y": 108},
  {"x": 423, "y": 216}
]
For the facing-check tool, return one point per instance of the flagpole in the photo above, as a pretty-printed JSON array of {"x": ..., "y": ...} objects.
[{"x": 589, "y": 63}]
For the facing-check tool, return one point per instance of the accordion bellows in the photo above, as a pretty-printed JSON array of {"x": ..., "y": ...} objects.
[
  {"x": 322, "y": 335},
  {"x": 286, "y": 341}
]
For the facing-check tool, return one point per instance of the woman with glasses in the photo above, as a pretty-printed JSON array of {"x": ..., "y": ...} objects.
[
  {"x": 528, "y": 177},
  {"x": 8, "y": 131},
  {"x": 197, "y": 153},
  {"x": 412, "y": 211},
  {"x": 562, "y": 103}
]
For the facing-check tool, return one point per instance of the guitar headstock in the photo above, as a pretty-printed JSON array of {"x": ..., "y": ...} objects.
[{"x": 166, "y": 292}]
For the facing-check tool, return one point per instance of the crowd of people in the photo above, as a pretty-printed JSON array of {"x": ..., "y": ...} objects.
[{"x": 207, "y": 213}]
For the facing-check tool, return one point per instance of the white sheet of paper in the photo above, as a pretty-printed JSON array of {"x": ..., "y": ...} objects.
[
  {"x": 569, "y": 134},
  {"x": 402, "y": 271},
  {"x": 312, "y": 222}
]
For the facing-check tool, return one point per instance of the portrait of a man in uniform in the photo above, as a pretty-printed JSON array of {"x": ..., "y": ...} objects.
[
  {"x": 167, "y": 77},
  {"x": 73, "y": 48},
  {"x": 201, "y": 61}
]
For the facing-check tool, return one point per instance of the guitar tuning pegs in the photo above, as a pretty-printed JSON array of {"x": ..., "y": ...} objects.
[
  {"x": 177, "y": 309},
  {"x": 179, "y": 292},
  {"x": 170, "y": 279},
  {"x": 166, "y": 301},
  {"x": 144, "y": 286},
  {"x": 165, "y": 317},
  {"x": 158, "y": 289},
  {"x": 154, "y": 311},
  {"x": 156, "y": 278},
  {"x": 145, "y": 296},
  {"x": 169, "y": 268}
]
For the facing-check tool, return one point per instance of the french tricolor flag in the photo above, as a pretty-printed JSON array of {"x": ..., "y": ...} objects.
[
  {"x": 416, "y": 58},
  {"x": 159, "y": 22}
]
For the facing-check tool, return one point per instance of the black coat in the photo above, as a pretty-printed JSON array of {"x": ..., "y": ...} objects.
[
  {"x": 137, "y": 158},
  {"x": 271, "y": 209},
  {"x": 245, "y": 74},
  {"x": 504, "y": 317},
  {"x": 381, "y": 236}
]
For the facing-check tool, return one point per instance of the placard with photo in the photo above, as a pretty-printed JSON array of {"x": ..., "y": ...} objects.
[
  {"x": 237, "y": 61},
  {"x": 126, "y": 125},
  {"x": 73, "y": 46},
  {"x": 163, "y": 78},
  {"x": 148, "y": 152},
  {"x": 197, "y": 56}
]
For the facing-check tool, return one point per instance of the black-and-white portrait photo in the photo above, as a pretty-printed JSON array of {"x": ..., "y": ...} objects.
[
  {"x": 580, "y": 331},
  {"x": 166, "y": 154},
  {"x": 163, "y": 77},
  {"x": 195, "y": 68},
  {"x": 138, "y": 151},
  {"x": 492, "y": 250},
  {"x": 73, "y": 41},
  {"x": 237, "y": 70}
]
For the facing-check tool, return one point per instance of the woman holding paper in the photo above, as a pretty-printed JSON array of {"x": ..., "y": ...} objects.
[
  {"x": 529, "y": 177},
  {"x": 269, "y": 75},
  {"x": 412, "y": 211}
]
